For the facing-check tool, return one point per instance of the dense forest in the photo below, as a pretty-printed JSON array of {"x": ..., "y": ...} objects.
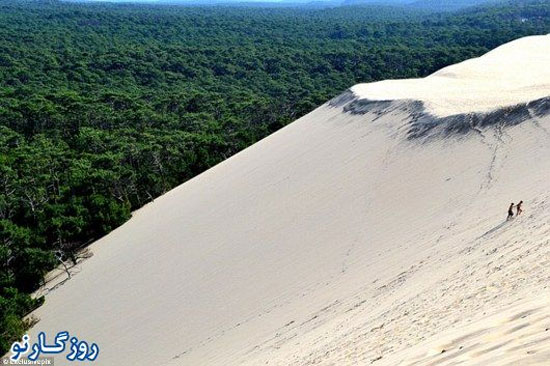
[{"x": 105, "y": 107}]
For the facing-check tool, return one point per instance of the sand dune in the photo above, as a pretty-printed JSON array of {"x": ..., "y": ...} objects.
[
  {"x": 516, "y": 72},
  {"x": 345, "y": 239}
]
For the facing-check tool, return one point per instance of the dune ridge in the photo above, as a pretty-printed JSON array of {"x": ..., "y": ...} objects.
[{"x": 511, "y": 74}]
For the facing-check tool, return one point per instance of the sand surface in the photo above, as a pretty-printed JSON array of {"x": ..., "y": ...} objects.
[
  {"x": 336, "y": 241},
  {"x": 513, "y": 73}
]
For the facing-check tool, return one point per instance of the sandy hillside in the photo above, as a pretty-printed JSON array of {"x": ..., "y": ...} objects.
[
  {"x": 514, "y": 73},
  {"x": 370, "y": 231}
]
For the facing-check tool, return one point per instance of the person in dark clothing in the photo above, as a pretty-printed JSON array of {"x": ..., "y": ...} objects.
[
  {"x": 510, "y": 212},
  {"x": 518, "y": 208}
]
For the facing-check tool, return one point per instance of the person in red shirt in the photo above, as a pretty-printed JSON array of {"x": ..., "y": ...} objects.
[{"x": 518, "y": 208}]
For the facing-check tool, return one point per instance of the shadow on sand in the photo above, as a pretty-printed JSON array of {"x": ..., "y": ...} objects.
[{"x": 496, "y": 228}]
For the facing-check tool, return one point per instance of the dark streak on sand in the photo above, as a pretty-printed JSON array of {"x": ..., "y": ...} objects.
[{"x": 424, "y": 125}]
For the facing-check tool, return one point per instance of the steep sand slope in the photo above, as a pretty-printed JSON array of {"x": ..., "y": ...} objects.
[{"x": 342, "y": 239}]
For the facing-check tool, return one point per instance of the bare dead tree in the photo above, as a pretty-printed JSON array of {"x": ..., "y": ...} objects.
[{"x": 59, "y": 255}]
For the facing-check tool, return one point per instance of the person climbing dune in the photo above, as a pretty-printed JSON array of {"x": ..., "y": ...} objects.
[
  {"x": 510, "y": 212},
  {"x": 518, "y": 208}
]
